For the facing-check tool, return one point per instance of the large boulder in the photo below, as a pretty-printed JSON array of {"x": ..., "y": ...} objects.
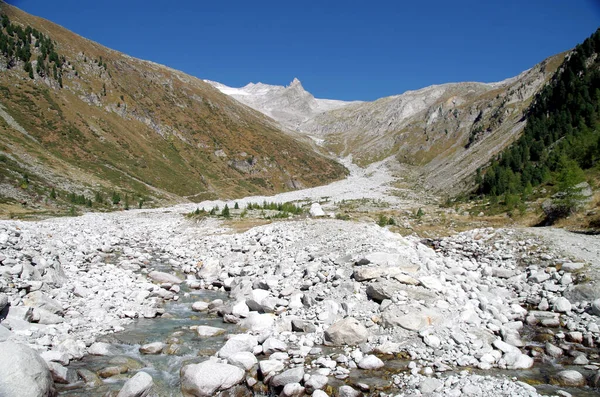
[
  {"x": 257, "y": 322},
  {"x": 140, "y": 385},
  {"x": 23, "y": 373},
  {"x": 415, "y": 320},
  {"x": 348, "y": 331},
  {"x": 568, "y": 378},
  {"x": 39, "y": 300},
  {"x": 316, "y": 210},
  {"x": 384, "y": 289},
  {"x": 208, "y": 378},
  {"x": 293, "y": 375},
  {"x": 238, "y": 343},
  {"x": 162, "y": 277}
]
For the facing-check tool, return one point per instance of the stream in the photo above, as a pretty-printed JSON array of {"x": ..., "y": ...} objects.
[{"x": 184, "y": 346}]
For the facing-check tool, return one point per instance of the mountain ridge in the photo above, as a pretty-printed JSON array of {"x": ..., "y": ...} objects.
[
  {"x": 433, "y": 129},
  {"x": 107, "y": 122}
]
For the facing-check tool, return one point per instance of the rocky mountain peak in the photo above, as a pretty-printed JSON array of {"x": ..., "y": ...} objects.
[{"x": 296, "y": 84}]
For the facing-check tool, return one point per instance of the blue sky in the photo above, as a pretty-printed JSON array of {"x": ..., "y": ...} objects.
[{"x": 338, "y": 49}]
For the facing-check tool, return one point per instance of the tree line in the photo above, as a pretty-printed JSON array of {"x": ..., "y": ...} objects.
[{"x": 561, "y": 138}]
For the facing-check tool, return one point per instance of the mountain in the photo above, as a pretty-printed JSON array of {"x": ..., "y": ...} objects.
[
  {"x": 444, "y": 133},
  {"x": 80, "y": 121},
  {"x": 291, "y": 106}
]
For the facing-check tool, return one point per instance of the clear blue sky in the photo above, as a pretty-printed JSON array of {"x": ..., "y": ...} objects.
[{"x": 338, "y": 49}]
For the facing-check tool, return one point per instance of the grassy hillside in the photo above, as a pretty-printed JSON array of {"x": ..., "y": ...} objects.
[{"x": 82, "y": 119}]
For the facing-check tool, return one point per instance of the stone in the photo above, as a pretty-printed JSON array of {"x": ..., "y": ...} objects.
[
  {"x": 23, "y": 373},
  {"x": 101, "y": 349},
  {"x": 294, "y": 375},
  {"x": 431, "y": 282},
  {"x": 272, "y": 345},
  {"x": 140, "y": 385},
  {"x": 208, "y": 331},
  {"x": 500, "y": 272},
  {"x": 518, "y": 360},
  {"x": 572, "y": 267},
  {"x": 113, "y": 370},
  {"x": 562, "y": 305},
  {"x": 75, "y": 349},
  {"x": 471, "y": 390},
  {"x": 244, "y": 360},
  {"x": 385, "y": 289},
  {"x": 595, "y": 308},
  {"x": 5, "y": 333},
  {"x": 319, "y": 393},
  {"x": 366, "y": 273},
  {"x": 39, "y": 300},
  {"x": 568, "y": 378},
  {"x": 552, "y": 350},
  {"x": 316, "y": 211},
  {"x": 348, "y": 331},
  {"x": 62, "y": 374},
  {"x": 258, "y": 322},
  {"x": 56, "y": 356},
  {"x": 152, "y": 348},
  {"x": 370, "y": 362},
  {"x": 240, "y": 309},
  {"x": 316, "y": 382},
  {"x": 3, "y": 301},
  {"x": 416, "y": 320},
  {"x": 208, "y": 378},
  {"x": 268, "y": 368},
  {"x": 581, "y": 359},
  {"x": 162, "y": 277},
  {"x": 292, "y": 390},
  {"x": 200, "y": 306},
  {"x": 348, "y": 391},
  {"x": 303, "y": 326},
  {"x": 89, "y": 377},
  {"x": 238, "y": 343},
  {"x": 430, "y": 385},
  {"x": 432, "y": 341}
]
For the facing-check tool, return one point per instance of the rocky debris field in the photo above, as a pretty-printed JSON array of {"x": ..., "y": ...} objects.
[{"x": 324, "y": 307}]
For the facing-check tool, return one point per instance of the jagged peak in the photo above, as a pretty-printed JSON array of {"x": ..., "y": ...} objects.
[{"x": 295, "y": 83}]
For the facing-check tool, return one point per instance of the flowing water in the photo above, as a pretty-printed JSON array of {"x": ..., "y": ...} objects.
[{"x": 186, "y": 347}]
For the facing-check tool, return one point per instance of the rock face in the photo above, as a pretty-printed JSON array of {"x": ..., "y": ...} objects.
[
  {"x": 207, "y": 378},
  {"x": 348, "y": 331},
  {"x": 23, "y": 373},
  {"x": 140, "y": 385}
]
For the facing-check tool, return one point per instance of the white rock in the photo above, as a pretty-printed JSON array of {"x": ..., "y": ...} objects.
[
  {"x": 370, "y": 362},
  {"x": 238, "y": 343},
  {"x": 562, "y": 305},
  {"x": 316, "y": 210},
  {"x": 140, "y": 385},
  {"x": 208, "y": 377},
  {"x": 208, "y": 331},
  {"x": 23, "y": 373},
  {"x": 199, "y": 306},
  {"x": 244, "y": 360}
]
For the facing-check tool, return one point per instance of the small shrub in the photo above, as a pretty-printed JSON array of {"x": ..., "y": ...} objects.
[
  {"x": 382, "y": 221},
  {"x": 225, "y": 212}
]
